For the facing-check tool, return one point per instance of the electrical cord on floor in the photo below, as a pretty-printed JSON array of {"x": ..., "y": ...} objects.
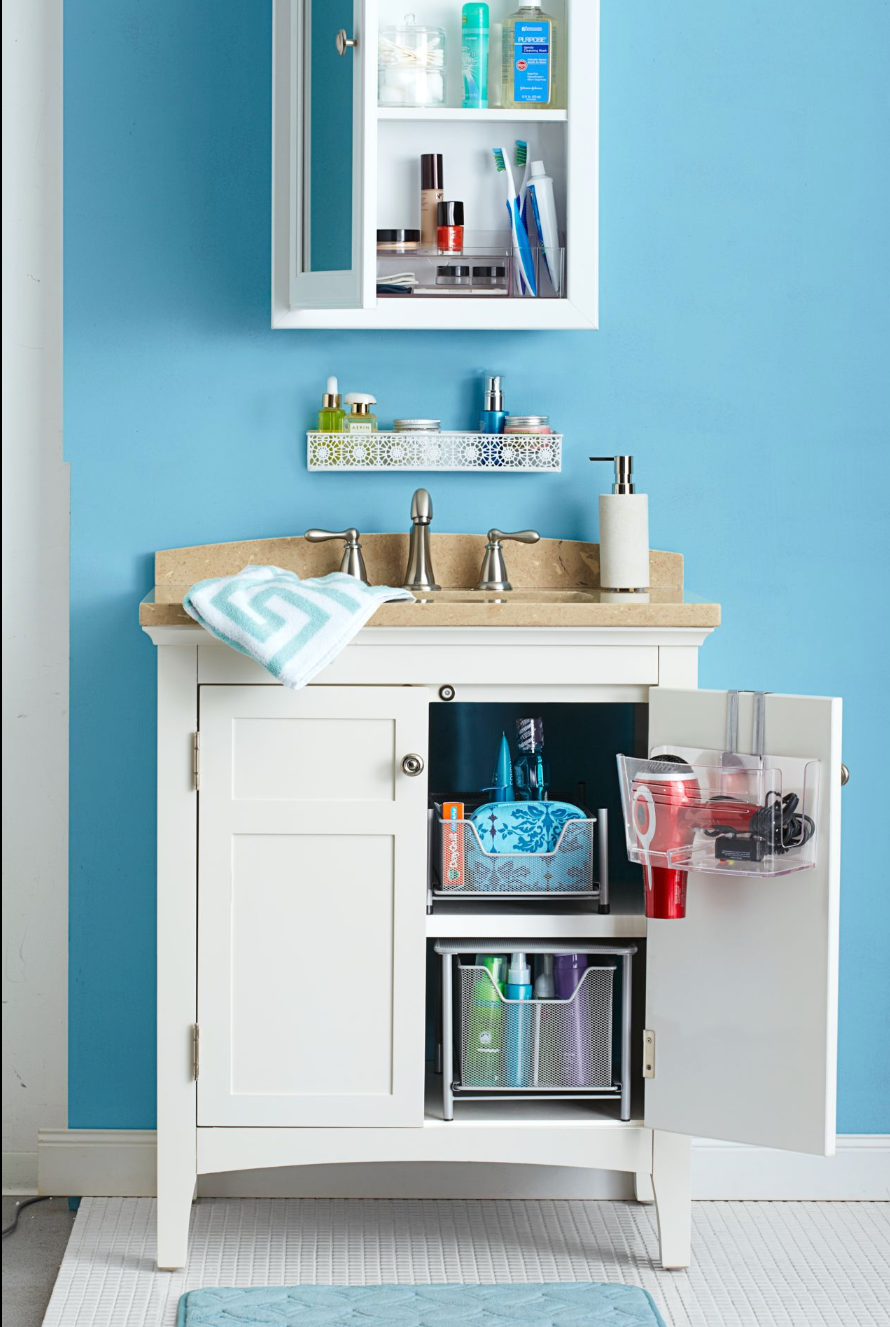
[{"x": 19, "y": 1208}]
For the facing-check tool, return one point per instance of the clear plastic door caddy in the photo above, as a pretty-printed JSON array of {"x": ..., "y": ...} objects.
[{"x": 689, "y": 809}]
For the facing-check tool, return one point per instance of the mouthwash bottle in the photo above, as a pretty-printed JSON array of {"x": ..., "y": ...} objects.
[{"x": 528, "y": 58}]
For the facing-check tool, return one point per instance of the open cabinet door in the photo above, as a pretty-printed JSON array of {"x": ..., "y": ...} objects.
[
  {"x": 321, "y": 146},
  {"x": 742, "y": 993}
]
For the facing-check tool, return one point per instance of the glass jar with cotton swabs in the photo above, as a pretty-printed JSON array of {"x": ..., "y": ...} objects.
[{"x": 411, "y": 65}]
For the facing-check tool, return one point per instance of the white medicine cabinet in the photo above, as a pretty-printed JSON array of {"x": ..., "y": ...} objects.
[{"x": 345, "y": 166}]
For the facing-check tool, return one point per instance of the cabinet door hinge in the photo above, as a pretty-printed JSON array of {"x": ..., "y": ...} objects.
[
  {"x": 196, "y": 761},
  {"x": 196, "y": 1050},
  {"x": 648, "y": 1053}
]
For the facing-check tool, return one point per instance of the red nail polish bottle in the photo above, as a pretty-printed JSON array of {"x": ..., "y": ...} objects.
[{"x": 450, "y": 217}]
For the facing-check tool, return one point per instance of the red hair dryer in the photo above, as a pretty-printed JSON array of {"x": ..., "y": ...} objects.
[
  {"x": 665, "y": 793},
  {"x": 667, "y": 809}
]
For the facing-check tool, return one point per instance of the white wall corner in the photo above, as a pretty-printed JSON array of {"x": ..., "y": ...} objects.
[
  {"x": 35, "y": 591},
  {"x": 121, "y": 1163},
  {"x": 19, "y": 1172}
]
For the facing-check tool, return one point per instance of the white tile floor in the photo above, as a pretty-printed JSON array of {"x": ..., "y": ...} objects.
[{"x": 805, "y": 1264}]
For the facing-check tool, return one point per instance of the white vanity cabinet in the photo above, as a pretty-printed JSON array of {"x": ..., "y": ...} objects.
[
  {"x": 293, "y": 924},
  {"x": 344, "y": 166}
]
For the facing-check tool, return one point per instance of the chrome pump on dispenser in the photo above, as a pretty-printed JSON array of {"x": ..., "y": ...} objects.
[{"x": 624, "y": 532}]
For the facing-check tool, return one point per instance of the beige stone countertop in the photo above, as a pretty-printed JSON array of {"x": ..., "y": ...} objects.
[{"x": 556, "y": 583}]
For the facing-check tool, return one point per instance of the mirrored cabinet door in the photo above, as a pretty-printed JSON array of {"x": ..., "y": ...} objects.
[{"x": 321, "y": 43}]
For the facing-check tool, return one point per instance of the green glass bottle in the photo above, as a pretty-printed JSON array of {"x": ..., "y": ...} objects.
[{"x": 331, "y": 414}]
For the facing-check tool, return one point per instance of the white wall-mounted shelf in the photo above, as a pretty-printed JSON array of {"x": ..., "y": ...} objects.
[
  {"x": 343, "y": 167},
  {"x": 488, "y": 453}
]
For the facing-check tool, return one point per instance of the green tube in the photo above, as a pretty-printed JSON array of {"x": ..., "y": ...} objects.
[{"x": 474, "y": 55}]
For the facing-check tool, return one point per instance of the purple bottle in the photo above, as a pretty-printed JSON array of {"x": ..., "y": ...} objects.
[{"x": 574, "y": 1034}]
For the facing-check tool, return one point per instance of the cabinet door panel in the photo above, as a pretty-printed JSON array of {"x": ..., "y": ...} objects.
[
  {"x": 321, "y": 141},
  {"x": 311, "y": 888},
  {"x": 742, "y": 993}
]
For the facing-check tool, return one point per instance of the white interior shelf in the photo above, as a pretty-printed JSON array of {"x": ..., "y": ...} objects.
[
  {"x": 491, "y": 453},
  {"x": 458, "y": 114}
]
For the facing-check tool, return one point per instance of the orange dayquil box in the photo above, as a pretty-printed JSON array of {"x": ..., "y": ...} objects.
[{"x": 452, "y": 845}]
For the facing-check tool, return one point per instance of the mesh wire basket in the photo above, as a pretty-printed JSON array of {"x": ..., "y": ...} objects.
[
  {"x": 466, "y": 868},
  {"x": 535, "y": 1044}
]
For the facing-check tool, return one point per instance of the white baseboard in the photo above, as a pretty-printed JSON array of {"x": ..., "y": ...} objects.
[
  {"x": 859, "y": 1171},
  {"x": 121, "y": 1163}
]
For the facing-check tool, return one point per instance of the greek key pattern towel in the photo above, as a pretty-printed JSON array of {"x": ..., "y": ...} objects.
[{"x": 293, "y": 627}]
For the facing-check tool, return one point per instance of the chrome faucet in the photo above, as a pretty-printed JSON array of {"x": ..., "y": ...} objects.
[{"x": 419, "y": 572}]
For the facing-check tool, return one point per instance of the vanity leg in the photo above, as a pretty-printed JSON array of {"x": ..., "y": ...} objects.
[
  {"x": 672, "y": 1185},
  {"x": 176, "y": 1190},
  {"x": 643, "y": 1191}
]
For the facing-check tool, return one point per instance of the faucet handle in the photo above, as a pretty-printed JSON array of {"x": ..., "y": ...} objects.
[
  {"x": 521, "y": 536},
  {"x": 352, "y": 563},
  {"x": 494, "y": 573}
]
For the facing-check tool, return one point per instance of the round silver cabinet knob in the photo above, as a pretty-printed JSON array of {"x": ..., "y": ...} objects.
[
  {"x": 845, "y": 775},
  {"x": 343, "y": 42},
  {"x": 412, "y": 764}
]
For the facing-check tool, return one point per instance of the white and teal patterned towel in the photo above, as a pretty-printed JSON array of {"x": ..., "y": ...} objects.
[{"x": 293, "y": 627}]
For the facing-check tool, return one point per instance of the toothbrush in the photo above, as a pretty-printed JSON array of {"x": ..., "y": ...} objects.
[
  {"x": 522, "y": 249},
  {"x": 523, "y": 161},
  {"x": 522, "y": 164}
]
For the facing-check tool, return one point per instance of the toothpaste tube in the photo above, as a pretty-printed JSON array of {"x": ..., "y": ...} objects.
[{"x": 452, "y": 845}]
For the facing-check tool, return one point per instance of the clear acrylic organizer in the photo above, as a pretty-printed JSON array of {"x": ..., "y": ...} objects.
[
  {"x": 535, "y": 1045},
  {"x": 464, "y": 869},
  {"x": 721, "y": 813},
  {"x": 493, "y": 271}
]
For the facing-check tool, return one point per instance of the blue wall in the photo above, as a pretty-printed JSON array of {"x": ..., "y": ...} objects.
[{"x": 744, "y": 323}]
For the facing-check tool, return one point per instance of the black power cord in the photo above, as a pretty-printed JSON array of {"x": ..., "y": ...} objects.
[
  {"x": 19, "y": 1208},
  {"x": 776, "y": 827}
]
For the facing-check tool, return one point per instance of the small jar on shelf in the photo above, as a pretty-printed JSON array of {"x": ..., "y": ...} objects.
[{"x": 411, "y": 65}]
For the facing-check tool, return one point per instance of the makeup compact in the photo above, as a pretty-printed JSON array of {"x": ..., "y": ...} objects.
[
  {"x": 453, "y": 274},
  {"x": 397, "y": 241}
]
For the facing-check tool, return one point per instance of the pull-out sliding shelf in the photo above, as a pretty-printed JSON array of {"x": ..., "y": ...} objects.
[{"x": 500, "y": 1049}]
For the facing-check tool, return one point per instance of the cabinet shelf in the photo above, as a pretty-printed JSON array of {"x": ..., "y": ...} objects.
[{"x": 460, "y": 114}]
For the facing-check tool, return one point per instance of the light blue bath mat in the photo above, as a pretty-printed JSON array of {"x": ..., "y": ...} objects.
[{"x": 574, "y": 1304}]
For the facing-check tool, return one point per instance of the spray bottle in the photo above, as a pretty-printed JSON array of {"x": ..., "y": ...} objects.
[{"x": 519, "y": 1022}]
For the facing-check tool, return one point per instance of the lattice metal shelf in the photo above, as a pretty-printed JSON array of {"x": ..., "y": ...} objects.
[{"x": 487, "y": 452}]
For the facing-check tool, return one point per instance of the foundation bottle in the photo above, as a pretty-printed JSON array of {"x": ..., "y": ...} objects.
[{"x": 432, "y": 192}]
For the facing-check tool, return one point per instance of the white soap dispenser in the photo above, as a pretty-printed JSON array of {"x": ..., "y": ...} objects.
[{"x": 624, "y": 534}]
